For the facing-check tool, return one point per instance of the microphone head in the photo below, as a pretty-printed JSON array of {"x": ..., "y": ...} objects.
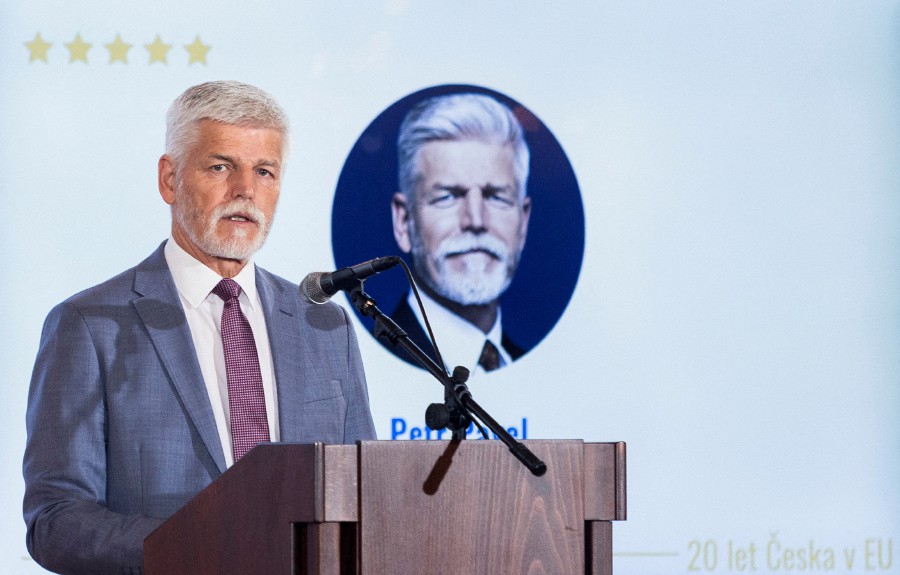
[{"x": 311, "y": 288}]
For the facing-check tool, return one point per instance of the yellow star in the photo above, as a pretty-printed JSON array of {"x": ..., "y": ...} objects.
[
  {"x": 37, "y": 48},
  {"x": 118, "y": 50},
  {"x": 78, "y": 49},
  {"x": 198, "y": 51},
  {"x": 159, "y": 50}
]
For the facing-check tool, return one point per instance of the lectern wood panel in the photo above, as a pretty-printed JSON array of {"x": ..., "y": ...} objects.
[{"x": 471, "y": 507}]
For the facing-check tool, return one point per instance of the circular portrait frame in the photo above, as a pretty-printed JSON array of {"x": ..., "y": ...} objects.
[{"x": 362, "y": 228}]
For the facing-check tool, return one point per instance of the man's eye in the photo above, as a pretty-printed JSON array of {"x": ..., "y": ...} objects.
[
  {"x": 219, "y": 168},
  {"x": 441, "y": 198},
  {"x": 264, "y": 172},
  {"x": 446, "y": 197},
  {"x": 500, "y": 198},
  {"x": 445, "y": 200}
]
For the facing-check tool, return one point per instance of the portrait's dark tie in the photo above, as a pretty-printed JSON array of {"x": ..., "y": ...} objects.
[
  {"x": 490, "y": 357},
  {"x": 246, "y": 400}
]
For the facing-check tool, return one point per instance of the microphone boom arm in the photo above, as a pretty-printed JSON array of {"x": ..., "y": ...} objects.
[{"x": 456, "y": 393}]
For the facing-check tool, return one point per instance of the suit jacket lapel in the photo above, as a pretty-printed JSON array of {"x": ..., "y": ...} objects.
[
  {"x": 159, "y": 307},
  {"x": 286, "y": 341}
]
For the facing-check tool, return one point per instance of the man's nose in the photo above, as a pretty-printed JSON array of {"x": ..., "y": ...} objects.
[
  {"x": 241, "y": 184},
  {"x": 474, "y": 216}
]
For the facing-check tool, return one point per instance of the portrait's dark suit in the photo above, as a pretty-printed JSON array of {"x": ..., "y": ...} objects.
[{"x": 121, "y": 431}]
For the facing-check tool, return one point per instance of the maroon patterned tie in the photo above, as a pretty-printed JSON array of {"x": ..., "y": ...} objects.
[{"x": 246, "y": 400}]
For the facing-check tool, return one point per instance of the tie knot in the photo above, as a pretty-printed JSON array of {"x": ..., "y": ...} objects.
[
  {"x": 490, "y": 356},
  {"x": 227, "y": 289}
]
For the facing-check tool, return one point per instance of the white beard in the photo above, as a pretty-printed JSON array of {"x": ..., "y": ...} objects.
[
  {"x": 236, "y": 247},
  {"x": 475, "y": 285}
]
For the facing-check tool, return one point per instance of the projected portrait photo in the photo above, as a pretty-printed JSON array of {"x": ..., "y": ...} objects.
[{"x": 477, "y": 196}]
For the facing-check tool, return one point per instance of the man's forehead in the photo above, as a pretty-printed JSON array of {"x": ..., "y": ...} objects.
[
  {"x": 217, "y": 138},
  {"x": 210, "y": 127},
  {"x": 474, "y": 141},
  {"x": 466, "y": 156}
]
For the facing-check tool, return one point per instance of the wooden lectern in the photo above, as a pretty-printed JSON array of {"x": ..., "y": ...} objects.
[{"x": 400, "y": 508}]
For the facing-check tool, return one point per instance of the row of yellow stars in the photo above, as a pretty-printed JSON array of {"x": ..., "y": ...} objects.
[{"x": 118, "y": 50}]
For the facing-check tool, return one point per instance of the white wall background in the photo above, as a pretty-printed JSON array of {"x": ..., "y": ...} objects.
[{"x": 736, "y": 319}]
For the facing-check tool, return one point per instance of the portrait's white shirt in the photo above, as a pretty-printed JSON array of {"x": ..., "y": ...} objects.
[
  {"x": 459, "y": 341},
  {"x": 203, "y": 310}
]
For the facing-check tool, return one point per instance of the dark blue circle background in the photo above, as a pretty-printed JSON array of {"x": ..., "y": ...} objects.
[{"x": 361, "y": 226}]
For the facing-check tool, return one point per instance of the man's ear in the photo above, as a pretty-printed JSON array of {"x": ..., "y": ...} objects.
[
  {"x": 166, "y": 176},
  {"x": 523, "y": 225},
  {"x": 400, "y": 213}
]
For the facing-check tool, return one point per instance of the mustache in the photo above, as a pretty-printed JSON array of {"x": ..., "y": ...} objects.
[
  {"x": 240, "y": 208},
  {"x": 470, "y": 242}
]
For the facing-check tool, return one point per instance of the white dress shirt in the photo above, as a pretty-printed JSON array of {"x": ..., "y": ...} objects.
[
  {"x": 460, "y": 342},
  {"x": 203, "y": 310}
]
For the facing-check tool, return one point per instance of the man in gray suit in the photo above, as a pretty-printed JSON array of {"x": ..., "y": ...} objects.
[{"x": 128, "y": 412}]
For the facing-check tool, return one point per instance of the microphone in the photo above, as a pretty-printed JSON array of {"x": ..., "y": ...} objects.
[{"x": 318, "y": 287}]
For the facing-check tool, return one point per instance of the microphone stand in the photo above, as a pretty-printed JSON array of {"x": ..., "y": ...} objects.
[{"x": 459, "y": 408}]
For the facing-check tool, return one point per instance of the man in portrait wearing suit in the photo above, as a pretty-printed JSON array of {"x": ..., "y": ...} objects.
[
  {"x": 147, "y": 387},
  {"x": 462, "y": 213}
]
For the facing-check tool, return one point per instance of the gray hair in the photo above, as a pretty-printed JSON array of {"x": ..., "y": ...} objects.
[
  {"x": 458, "y": 117},
  {"x": 228, "y": 102}
]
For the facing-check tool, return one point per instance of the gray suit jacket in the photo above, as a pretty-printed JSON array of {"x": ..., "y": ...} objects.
[{"x": 120, "y": 427}]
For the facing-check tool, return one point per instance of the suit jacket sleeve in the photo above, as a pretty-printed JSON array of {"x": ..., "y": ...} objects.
[
  {"x": 70, "y": 528},
  {"x": 358, "y": 424}
]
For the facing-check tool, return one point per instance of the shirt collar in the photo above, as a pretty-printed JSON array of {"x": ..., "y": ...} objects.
[
  {"x": 460, "y": 342},
  {"x": 195, "y": 281}
]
